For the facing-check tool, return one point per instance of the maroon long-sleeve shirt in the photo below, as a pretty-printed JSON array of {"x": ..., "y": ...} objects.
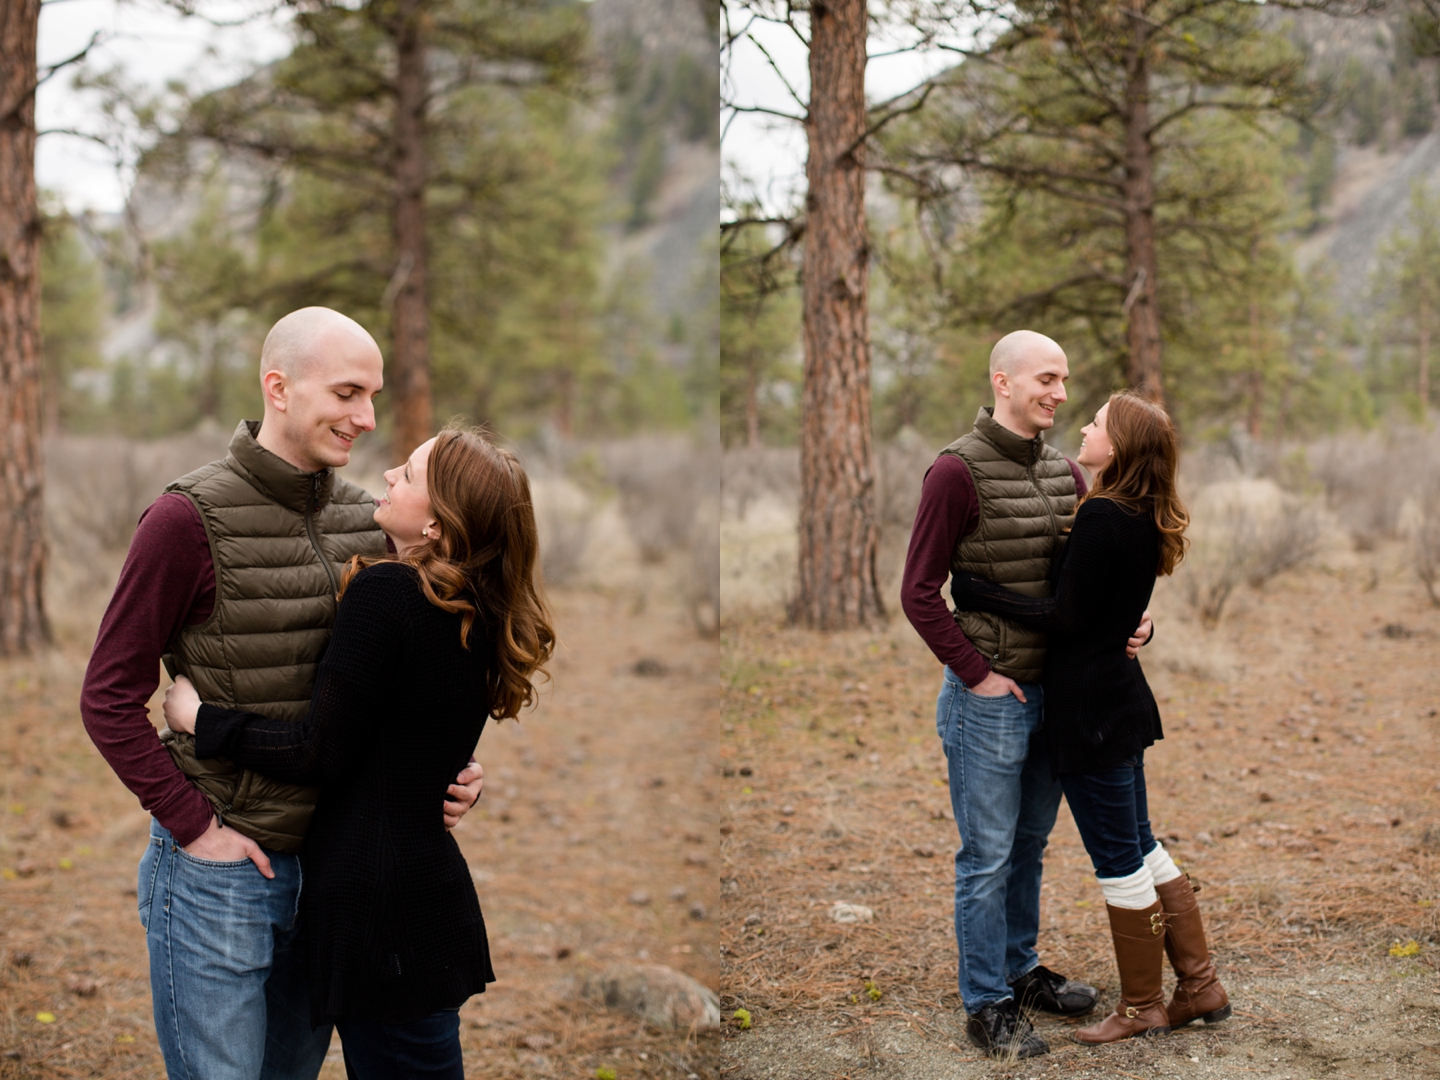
[
  {"x": 949, "y": 510},
  {"x": 167, "y": 582}
]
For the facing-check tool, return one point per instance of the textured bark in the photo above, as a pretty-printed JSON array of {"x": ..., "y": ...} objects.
[
  {"x": 23, "y": 625},
  {"x": 839, "y": 533},
  {"x": 1142, "y": 264},
  {"x": 410, "y": 325}
]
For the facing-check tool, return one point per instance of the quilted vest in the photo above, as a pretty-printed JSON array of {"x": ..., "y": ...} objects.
[
  {"x": 1027, "y": 501},
  {"x": 279, "y": 539}
]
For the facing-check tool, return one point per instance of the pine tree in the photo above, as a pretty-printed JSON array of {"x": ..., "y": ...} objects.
[
  {"x": 23, "y": 625},
  {"x": 1107, "y": 131},
  {"x": 1407, "y": 281}
]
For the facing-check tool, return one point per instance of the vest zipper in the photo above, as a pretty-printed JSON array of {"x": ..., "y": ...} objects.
[
  {"x": 1054, "y": 524},
  {"x": 314, "y": 537}
]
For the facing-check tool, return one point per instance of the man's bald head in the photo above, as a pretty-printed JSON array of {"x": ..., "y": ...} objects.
[
  {"x": 300, "y": 337},
  {"x": 1019, "y": 349},
  {"x": 319, "y": 374},
  {"x": 1027, "y": 373}
]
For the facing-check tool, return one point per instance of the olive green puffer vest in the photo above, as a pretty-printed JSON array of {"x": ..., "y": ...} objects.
[
  {"x": 1027, "y": 502},
  {"x": 279, "y": 538}
]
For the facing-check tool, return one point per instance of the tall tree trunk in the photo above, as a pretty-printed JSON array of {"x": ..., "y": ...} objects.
[
  {"x": 410, "y": 358},
  {"x": 1142, "y": 331},
  {"x": 839, "y": 533},
  {"x": 752, "y": 400},
  {"x": 23, "y": 625},
  {"x": 1424, "y": 350}
]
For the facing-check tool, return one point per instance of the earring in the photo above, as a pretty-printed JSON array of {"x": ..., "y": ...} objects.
[
  {"x": 425, "y": 532},
  {"x": 1111, "y": 454}
]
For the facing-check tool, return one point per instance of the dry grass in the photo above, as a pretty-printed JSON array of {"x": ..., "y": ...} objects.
[
  {"x": 607, "y": 790},
  {"x": 1300, "y": 790}
]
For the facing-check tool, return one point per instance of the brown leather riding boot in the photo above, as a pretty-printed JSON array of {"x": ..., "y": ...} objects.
[
  {"x": 1198, "y": 993},
  {"x": 1139, "y": 937}
]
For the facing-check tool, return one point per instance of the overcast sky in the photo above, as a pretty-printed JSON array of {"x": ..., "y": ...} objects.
[
  {"x": 151, "y": 44},
  {"x": 764, "y": 156}
]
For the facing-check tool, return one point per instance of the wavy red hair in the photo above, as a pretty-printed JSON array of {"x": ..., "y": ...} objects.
[{"x": 483, "y": 564}]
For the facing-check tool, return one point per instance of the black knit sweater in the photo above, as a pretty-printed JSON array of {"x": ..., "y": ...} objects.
[
  {"x": 1098, "y": 707},
  {"x": 392, "y": 925}
]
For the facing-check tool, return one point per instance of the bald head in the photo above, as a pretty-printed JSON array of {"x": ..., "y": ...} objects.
[
  {"x": 1027, "y": 373},
  {"x": 319, "y": 374},
  {"x": 1018, "y": 350},
  {"x": 297, "y": 340}
]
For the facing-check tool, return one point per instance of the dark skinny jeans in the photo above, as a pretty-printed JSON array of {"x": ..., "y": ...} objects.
[{"x": 1111, "y": 811}]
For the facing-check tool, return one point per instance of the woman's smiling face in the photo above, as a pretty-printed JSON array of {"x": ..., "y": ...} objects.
[
  {"x": 404, "y": 511},
  {"x": 1096, "y": 448}
]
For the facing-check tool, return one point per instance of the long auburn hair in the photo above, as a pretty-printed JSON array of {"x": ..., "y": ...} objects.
[
  {"x": 483, "y": 564},
  {"x": 1142, "y": 476}
]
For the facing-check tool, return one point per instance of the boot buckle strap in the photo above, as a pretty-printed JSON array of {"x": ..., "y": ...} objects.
[
  {"x": 1157, "y": 922},
  {"x": 1131, "y": 1012}
]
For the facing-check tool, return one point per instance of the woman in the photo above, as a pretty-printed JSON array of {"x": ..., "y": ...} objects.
[
  {"x": 1100, "y": 714},
  {"x": 427, "y": 645}
]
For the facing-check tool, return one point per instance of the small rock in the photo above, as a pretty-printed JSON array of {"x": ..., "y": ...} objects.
[
  {"x": 648, "y": 667},
  {"x": 658, "y": 995},
  {"x": 562, "y": 952},
  {"x": 697, "y": 912},
  {"x": 1265, "y": 796},
  {"x": 677, "y": 893},
  {"x": 842, "y": 912},
  {"x": 925, "y": 852},
  {"x": 639, "y": 898},
  {"x": 746, "y": 770},
  {"x": 1204, "y": 838},
  {"x": 82, "y": 987},
  {"x": 25, "y": 868},
  {"x": 694, "y": 858},
  {"x": 753, "y": 919},
  {"x": 61, "y": 819},
  {"x": 20, "y": 958},
  {"x": 537, "y": 1042},
  {"x": 787, "y": 811}
]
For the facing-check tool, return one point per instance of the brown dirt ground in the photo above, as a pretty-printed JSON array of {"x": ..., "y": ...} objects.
[
  {"x": 1301, "y": 792},
  {"x": 607, "y": 790}
]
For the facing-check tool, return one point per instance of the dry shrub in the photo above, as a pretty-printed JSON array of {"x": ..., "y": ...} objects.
[
  {"x": 1421, "y": 513},
  {"x": 748, "y": 473},
  {"x": 702, "y": 589},
  {"x": 1366, "y": 480},
  {"x": 661, "y": 481},
  {"x": 563, "y": 516},
  {"x": 1243, "y": 532}
]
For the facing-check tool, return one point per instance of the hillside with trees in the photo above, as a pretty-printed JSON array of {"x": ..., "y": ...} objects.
[
  {"x": 526, "y": 233},
  {"x": 1280, "y": 259}
]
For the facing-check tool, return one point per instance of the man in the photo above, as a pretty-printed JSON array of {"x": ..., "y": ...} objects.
[
  {"x": 998, "y": 502},
  {"x": 232, "y": 576}
]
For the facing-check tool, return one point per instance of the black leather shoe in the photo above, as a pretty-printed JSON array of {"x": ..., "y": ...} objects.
[
  {"x": 1040, "y": 988},
  {"x": 1002, "y": 1031}
]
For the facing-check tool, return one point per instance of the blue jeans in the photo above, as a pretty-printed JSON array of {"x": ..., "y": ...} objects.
[
  {"x": 1113, "y": 815},
  {"x": 227, "y": 970},
  {"x": 428, "y": 1048},
  {"x": 1005, "y": 801}
]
